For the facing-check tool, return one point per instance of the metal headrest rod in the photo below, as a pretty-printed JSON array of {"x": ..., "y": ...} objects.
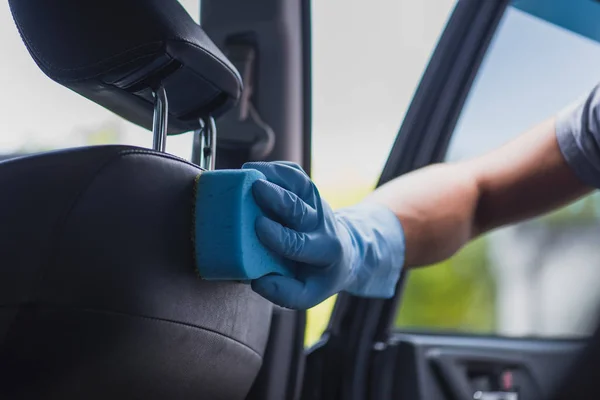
[
  {"x": 161, "y": 120},
  {"x": 205, "y": 144},
  {"x": 205, "y": 139}
]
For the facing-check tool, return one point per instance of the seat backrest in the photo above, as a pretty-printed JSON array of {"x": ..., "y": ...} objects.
[
  {"x": 99, "y": 295},
  {"x": 116, "y": 52}
]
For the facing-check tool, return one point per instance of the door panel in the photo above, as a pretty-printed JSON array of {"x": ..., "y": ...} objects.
[{"x": 458, "y": 367}]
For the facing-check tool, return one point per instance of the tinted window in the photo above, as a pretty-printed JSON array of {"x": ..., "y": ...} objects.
[{"x": 538, "y": 278}]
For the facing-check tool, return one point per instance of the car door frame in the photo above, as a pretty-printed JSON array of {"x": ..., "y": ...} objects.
[
  {"x": 279, "y": 35},
  {"x": 348, "y": 361}
]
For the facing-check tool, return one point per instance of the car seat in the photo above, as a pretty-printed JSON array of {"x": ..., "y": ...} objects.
[{"x": 99, "y": 296}]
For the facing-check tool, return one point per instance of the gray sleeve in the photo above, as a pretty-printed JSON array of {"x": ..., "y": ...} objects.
[{"x": 578, "y": 134}]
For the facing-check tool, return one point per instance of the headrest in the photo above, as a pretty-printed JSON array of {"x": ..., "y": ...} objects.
[{"x": 116, "y": 52}]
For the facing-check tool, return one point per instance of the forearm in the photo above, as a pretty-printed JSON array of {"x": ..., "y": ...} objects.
[
  {"x": 436, "y": 208},
  {"x": 442, "y": 207},
  {"x": 526, "y": 178}
]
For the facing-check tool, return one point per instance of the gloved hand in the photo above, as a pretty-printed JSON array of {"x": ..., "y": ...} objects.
[{"x": 359, "y": 249}]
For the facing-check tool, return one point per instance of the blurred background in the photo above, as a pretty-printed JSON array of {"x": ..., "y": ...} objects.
[
  {"x": 537, "y": 278},
  {"x": 534, "y": 279}
]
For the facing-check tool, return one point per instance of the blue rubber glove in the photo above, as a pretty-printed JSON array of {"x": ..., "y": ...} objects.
[{"x": 359, "y": 249}]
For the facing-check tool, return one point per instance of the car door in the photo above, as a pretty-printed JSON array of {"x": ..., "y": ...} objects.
[{"x": 505, "y": 317}]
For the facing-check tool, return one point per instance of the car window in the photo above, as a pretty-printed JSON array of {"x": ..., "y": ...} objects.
[
  {"x": 39, "y": 114},
  {"x": 368, "y": 58},
  {"x": 539, "y": 278}
]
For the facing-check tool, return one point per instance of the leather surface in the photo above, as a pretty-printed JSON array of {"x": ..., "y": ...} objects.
[
  {"x": 98, "y": 289},
  {"x": 115, "y": 52}
]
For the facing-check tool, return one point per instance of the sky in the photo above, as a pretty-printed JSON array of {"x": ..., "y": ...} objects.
[
  {"x": 368, "y": 59},
  {"x": 532, "y": 70}
]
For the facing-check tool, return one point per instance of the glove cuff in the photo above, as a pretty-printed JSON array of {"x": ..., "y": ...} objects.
[{"x": 380, "y": 241}]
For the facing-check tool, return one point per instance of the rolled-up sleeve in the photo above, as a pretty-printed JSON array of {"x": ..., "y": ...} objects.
[{"x": 578, "y": 135}]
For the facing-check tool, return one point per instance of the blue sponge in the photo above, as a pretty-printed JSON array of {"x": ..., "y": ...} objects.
[{"x": 226, "y": 244}]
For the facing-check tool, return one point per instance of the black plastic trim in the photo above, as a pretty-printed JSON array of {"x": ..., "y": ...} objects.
[
  {"x": 279, "y": 31},
  {"x": 307, "y": 79},
  {"x": 436, "y": 367}
]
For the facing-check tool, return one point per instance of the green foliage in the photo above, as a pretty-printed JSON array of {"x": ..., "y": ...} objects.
[
  {"x": 105, "y": 134},
  {"x": 580, "y": 213},
  {"x": 455, "y": 295},
  {"x": 317, "y": 320}
]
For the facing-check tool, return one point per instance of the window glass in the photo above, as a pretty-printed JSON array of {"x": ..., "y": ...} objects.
[
  {"x": 193, "y": 8},
  {"x": 368, "y": 57},
  {"x": 538, "y": 278},
  {"x": 39, "y": 114}
]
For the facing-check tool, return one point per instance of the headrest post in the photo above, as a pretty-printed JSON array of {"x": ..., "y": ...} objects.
[
  {"x": 205, "y": 144},
  {"x": 161, "y": 119}
]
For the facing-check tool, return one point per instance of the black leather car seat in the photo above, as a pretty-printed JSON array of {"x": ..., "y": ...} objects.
[{"x": 99, "y": 296}]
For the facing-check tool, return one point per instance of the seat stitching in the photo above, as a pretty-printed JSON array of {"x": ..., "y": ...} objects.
[{"x": 125, "y": 314}]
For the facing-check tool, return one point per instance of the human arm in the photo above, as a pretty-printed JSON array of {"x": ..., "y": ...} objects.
[
  {"x": 425, "y": 216},
  {"x": 443, "y": 206}
]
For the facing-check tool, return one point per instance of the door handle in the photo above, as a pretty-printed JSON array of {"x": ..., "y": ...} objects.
[{"x": 456, "y": 368}]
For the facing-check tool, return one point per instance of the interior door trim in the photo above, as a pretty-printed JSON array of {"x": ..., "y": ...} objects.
[{"x": 278, "y": 33}]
